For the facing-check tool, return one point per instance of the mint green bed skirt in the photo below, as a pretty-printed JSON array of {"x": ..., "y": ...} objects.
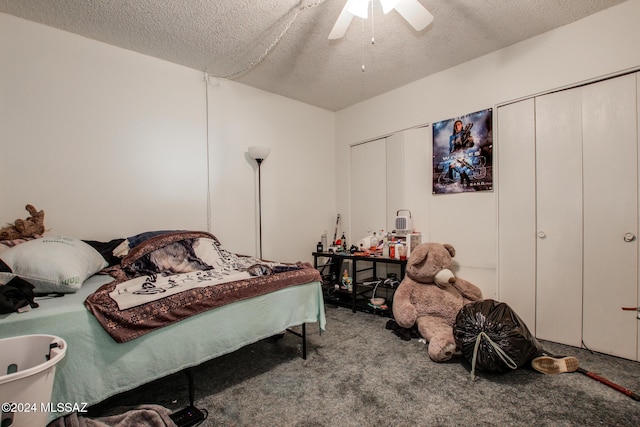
[{"x": 96, "y": 367}]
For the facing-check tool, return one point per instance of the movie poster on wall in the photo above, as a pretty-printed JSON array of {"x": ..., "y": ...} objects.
[{"x": 463, "y": 154}]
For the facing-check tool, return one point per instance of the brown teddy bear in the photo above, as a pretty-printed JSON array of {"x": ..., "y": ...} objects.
[
  {"x": 32, "y": 226},
  {"x": 430, "y": 296}
]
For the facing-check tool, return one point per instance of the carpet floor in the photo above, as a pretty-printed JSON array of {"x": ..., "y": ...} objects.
[{"x": 359, "y": 373}]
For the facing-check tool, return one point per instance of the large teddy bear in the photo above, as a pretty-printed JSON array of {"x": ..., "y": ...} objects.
[{"x": 430, "y": 296}]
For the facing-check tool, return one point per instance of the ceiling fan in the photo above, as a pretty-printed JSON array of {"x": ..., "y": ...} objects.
[{"x": 411, "y": 10}]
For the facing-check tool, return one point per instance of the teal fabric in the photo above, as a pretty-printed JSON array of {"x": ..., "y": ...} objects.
[{"x": 96, "y": 367}]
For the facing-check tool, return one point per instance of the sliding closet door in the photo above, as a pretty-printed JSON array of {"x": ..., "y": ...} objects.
[
  {"x": 610, "y": 153},
  {"x": 395, "y": 179},
  {"x": 638, "y": 237},
  {"x": 517, "y": 209},
  {"x": 368, "y": 189},
  {"x": 559, "y": 217}
]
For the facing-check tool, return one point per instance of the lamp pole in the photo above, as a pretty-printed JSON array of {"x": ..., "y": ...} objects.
[
  {"x": 258, "y": 154},
  {"x": 260, "y": 205}
]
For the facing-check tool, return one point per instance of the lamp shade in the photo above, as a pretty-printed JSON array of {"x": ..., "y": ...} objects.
[{"x": 259, "y": 152}]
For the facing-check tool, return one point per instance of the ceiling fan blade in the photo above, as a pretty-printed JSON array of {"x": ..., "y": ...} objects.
[
  {"x": 388, "y": 5},
  {"x": 342, "y": 23},
  {"x": 359, "y": 8},
  {"x": 414, "y": 13}
]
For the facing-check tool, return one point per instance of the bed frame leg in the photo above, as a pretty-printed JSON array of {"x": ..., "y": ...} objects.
[
  {"x": 192, "y": 387},
  {"x": 304, "y": 341},
  {"x": 189, "y": 416},
  {"x": 302, "y": 335}
]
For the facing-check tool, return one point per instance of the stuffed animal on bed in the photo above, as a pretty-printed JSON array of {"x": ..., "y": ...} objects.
[
  {"x": 32, "y": 226},
  {"x": 430, "y": 296}
]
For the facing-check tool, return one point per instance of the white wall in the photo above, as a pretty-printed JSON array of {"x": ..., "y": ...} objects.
[
  {"x": 599, "y": 45},
  {"x": 298, "y": 179},
  {"x": 111, "y": 143},
  {"x": 107, "y": 142}
]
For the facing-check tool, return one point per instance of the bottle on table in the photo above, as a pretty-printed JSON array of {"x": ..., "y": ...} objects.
[{"x": 374, "y": 242}]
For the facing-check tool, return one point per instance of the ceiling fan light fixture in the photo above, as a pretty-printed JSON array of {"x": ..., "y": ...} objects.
[{"x": 411, "y": 10}]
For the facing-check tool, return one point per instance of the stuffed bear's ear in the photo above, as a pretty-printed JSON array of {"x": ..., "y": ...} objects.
[
  {"x": 420, "y": 254},
  {"x": 450, "y": 248}
]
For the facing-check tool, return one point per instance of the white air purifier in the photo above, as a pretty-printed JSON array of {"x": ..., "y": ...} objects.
[{"x": 404, "y": 223}]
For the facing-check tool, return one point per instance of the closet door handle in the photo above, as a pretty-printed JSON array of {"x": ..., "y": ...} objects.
[
  {"x": 636, "y": 309},
  {"x": 542, "y": 234},
  {"x": 629, "y": 237}
]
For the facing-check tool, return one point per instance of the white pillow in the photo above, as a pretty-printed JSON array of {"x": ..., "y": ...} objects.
[{"x": 52, "y": 264}]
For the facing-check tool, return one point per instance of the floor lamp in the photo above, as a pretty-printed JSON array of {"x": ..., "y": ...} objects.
[{"x": 258, "y": 154}]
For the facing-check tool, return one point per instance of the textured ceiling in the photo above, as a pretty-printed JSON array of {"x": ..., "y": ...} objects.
[{"x": 224, "y": 37}]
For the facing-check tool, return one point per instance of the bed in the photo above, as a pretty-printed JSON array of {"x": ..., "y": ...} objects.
[{"x": 103, "y": 360}]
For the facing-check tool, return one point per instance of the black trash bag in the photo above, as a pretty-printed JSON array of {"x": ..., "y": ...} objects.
[{"x": 493, "y": 338}]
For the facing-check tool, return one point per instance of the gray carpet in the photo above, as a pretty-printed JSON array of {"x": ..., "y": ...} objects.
[{"x": 358, "y": 373}]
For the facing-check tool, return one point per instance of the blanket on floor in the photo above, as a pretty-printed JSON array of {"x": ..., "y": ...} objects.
[{"x": 143, "y": 415}]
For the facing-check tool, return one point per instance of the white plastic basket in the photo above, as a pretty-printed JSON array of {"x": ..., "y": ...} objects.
[{"x": 27, "y": 369}]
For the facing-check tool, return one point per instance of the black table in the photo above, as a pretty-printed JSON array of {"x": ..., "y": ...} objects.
[{"x": 331, "y": 270}]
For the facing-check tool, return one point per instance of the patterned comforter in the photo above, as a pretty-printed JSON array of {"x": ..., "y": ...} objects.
[{"x": 172, "y": 257}]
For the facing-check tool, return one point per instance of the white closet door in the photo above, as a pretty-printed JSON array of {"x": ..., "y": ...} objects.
[
  {"x": 368, "y": 189},
  {"x": 395, "y": 179},
  {"x": 610, "y": 212},
  {"x": 517, "y": 209},
  {"x": 559, "y": 217},
  {"x": 638, "y": 183}
]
